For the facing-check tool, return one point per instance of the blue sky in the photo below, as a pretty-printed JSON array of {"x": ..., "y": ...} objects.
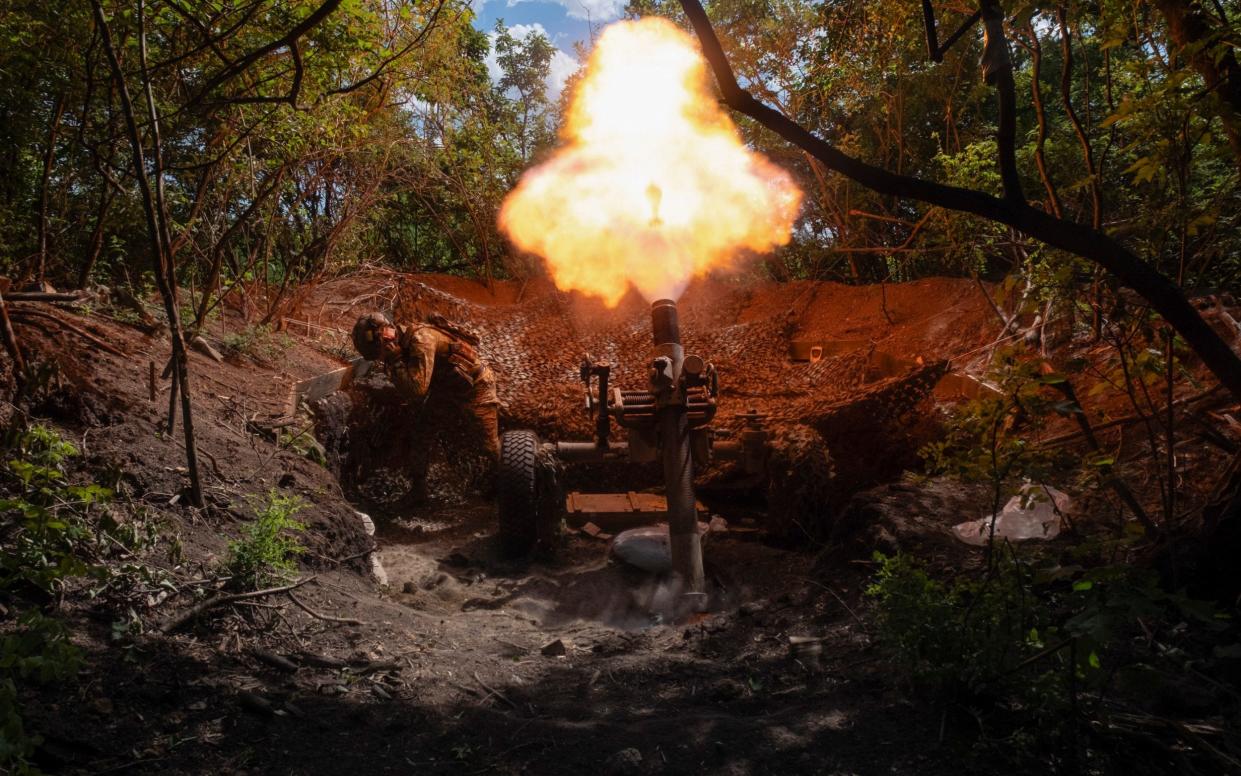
[{"x": 564, "y": 22}]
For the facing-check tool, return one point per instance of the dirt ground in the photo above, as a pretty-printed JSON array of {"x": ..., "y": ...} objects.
[{"x": 465, "y": 662}]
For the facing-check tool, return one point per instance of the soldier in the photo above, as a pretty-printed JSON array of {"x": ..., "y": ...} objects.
[{"x": 420, "y": 355}]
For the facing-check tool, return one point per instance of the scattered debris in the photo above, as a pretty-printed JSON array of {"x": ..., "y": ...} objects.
[
  {"x": 594, "y": 531},
  {"x": 626, "y": 761}
]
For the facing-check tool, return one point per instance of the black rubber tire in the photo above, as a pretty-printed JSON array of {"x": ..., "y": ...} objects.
[{"x": 517, "y": 495}]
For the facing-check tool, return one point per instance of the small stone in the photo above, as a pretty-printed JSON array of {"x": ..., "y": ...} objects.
[
  {"x": 556, "y": 648},
  {"x": 204, "y": 347},
  {"x": 409, "y": 587},
  {"x": 626, "y": 761}
]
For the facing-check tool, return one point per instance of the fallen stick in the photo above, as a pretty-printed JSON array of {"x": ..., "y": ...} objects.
[
  {"x": 1062, "y": 438},
  {"x": 19, "y": 312},
  {"x": 10, "y": 341},
  {"x": 43, "y": 296},
  {"x": 274, "y": 660},
  {"x": 494, "y": 691},
  {"x": 322, "y": 661},
  {"x": 320, "y": 615},
  {"x": 193, "y": 612}
]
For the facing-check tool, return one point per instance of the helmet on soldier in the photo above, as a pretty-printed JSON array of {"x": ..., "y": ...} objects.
[{"x": 366, "y": 335}]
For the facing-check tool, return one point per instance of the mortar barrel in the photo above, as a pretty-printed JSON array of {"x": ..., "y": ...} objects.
[{"x": 678, "y": 464}]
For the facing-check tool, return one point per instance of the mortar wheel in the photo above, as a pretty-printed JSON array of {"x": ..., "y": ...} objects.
[{"x": 517, "y": 492}]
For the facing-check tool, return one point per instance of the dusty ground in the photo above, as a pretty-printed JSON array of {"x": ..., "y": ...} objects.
[{"x": 466, "y": 663}]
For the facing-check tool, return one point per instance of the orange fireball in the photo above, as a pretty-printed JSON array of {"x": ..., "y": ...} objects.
[{"x": 653, "y": 185}]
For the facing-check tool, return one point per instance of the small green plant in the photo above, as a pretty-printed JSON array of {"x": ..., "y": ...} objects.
[
  {"x": 304, "y": 444},
  {"x": 266, "y": 551},
  {"x": 258, "y": 342}
]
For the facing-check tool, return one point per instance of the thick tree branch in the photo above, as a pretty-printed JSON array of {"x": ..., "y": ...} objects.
[
  {"x": 285, "y": 41},
  {"x": 1160, "y": 292}
]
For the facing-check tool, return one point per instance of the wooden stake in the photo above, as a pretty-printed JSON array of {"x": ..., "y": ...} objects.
[{"x": 10, "y": 341}]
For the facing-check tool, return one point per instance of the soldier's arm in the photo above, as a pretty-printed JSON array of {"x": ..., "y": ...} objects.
[{"x": 413, "y": 376}]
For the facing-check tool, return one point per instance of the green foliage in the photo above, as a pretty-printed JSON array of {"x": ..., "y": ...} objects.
[
  {"x": 303, "y": 443},
  {"x": 51, "y": 533},
  {"x": 37, "y": 650},
  {"x": 267, "y": 550},
  {"x": 47, "y": 535},
  {"x": 986, "y": 439},
  {"x": 258, "y": 342},
  {"x": 1034, "y": 648},
  {"x": 954, "y": 638}
]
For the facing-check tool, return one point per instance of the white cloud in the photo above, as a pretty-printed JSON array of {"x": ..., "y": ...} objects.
[
  {"x": 562, "y": 65},
  {"x": 594, "y": 10}
]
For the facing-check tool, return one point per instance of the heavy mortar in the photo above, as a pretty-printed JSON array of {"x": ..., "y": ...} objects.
[{"x": 666, "y": 421}]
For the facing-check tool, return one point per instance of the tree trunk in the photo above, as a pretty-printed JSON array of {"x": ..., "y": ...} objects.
[
  {"x": 157, "y": 229},
  {"x": 49, "y": 155}
]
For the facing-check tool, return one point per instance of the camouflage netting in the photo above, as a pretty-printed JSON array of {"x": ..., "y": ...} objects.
[{"x": 870, "y": 423}]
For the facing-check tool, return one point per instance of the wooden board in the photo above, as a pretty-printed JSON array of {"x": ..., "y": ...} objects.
[
  {"x": 315, "y": 388},
  {"x": 618, "y": 511}
]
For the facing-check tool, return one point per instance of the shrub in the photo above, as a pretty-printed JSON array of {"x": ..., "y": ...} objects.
[
  {"x": 258, "y": 342},
  {"x": 44, "y": 528},
  {"x": 266, "y": 551}
]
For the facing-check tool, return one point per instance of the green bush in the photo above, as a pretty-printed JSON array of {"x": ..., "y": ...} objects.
[
  {"x": 1033, "y": 653},
  {"x": 258, "y": 342},
  {"x": 266, "y": 551},
  {"x": 46, "y": 536}
]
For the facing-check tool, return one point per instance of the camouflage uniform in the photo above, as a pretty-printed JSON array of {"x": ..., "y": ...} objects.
[{"x": 433, "y": 354}]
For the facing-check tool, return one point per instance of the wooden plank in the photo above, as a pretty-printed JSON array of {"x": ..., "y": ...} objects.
[
  {"x": 315, "y": 388},
  {"x": 618, "y": 511}
]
